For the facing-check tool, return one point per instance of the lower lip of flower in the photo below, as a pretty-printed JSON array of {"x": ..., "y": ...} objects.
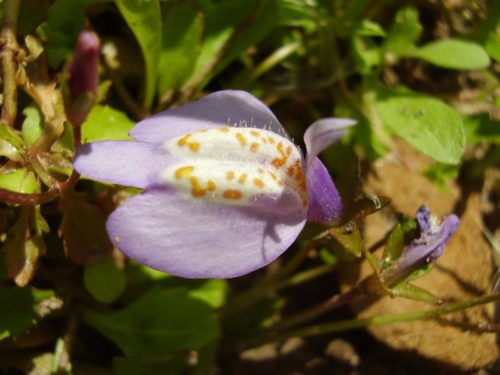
[{"x": 238, "y": 166}]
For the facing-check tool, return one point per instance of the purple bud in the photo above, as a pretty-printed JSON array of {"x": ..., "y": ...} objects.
[
  {"x": 427, "y": 247},
  {"x": 82, "y": 82}
]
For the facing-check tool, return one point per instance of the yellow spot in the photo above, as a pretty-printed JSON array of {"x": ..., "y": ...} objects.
[
  {"x": 258, "y": 182},
  {"x": 117, "y": 239},
  {"x": 241, "y": 139},
  {"x": 230, "y": 175},
  {"x": 271, "y": 140},
  {"x": 211, "y": 186},
  {"x": 223, "y": 129},
  {"x": 255, "y": 133},
  {"x": 232, "y": 194},
  {"x": 264, "y": 140},
  {"x": 254, "y": 147},
  {"x": 242, "y": 178},
  {"x": 194, "y": 146},
  {"x": 184, "y": 172},
  {"x": 288, "y": 150},
  {"x": 273, "y": 176},
  {"x": 182, "y": 142}
]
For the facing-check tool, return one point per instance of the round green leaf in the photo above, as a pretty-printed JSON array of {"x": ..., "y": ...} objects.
[
  {"x": 428, "y": 124},
  {"x": 105, "y": 281},
  {"x": 106, "y": 123},
  {"x": 454, "y": 54}
]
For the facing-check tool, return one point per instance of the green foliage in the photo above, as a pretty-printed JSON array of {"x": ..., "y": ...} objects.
[
  {"x": 19, "y": 309},
  {"x": 453, "y": 54},
  {"x": 404, "y": 32},
  {"x": 143, "y": 18},
  {"x": 163, "y": 320},
  {"x": 428, "y": 124},
  {"x": 106, "y": 123},
  {"x": 33, "y": 125},
  {"x": 104, "y": 280},
  {"x": 64, "y": 22}
]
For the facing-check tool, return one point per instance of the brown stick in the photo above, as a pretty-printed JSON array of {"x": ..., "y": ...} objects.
[{"x": 9, "y": 65}]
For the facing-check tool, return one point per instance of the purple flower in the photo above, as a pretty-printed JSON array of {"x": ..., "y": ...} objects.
[
  {"x": 225, "y": 190},
  {"x": 82, "y": 81},
  {"x": 427, "y": 247}
]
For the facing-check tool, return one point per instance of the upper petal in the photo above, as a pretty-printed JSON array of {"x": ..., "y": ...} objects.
[
  {"x": 136, "y": 164},
  {"x": 323, "y": 133},
  {"x": 197, "y": 240},
  {"x": 222, "y": 108},
  {"x": 325, "y": 204}
]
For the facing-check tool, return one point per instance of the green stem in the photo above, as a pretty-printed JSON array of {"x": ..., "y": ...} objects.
[
  {"x": 344, "y": 325},
  {"x": 275, "y": 58},
  {"x": 9, "y": 68}
]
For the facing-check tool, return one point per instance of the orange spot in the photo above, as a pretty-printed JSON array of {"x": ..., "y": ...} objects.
[
  {"x": 273, "y": 176},
  {"x": 232, "y": 194},
  {"x": 255, "y": 133},
  {"x": 290, "y": 170},
  {"x": 258, "y": 182},
  {"x": 254, "y": 147},
  {"x": 288, "y": 150},
  {"x": 182, "y": 142},
  {"x": 184, "y": 172},
  {"x": 241, "y": 139},
  {"x": 223, "y": 129},
  {"x": 211, "y": 186},
  {"x": 194, "y": 146},
  {"x": 278, "y": 163},
  {"x": 230, "y": 175},
  {"x": 271, "y": 140},
  {"x": 242, "y": 178},
  {"x": 196, "y": 189}
]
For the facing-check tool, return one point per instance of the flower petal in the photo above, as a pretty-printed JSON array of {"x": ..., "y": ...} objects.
[
  {"x": 323, "y": 133},
  {"x": 325, "y": 204},
  {"x": 198, "y": 240},
  {"x": 136, "y": 164},
  {"x": 222, "y": 108}
]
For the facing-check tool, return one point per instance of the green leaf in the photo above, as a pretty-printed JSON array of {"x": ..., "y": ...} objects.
[
  {"x": 31, "y": 14},
  {"x": 298, "y": 13},
  {"x": 481, "y": 128},
  {"x": 492, "y": 44},
  {"x": 368, "y": 28},
  {"x": 413, "y": 292},
  {"x": 403, "y": 33},
  {"x": 428, "y": 124},
  {"x": 365, "y": 54},
  {"x": 440, "y": 174},
  {"x": 32, "y": 127},
  {"x": 212, "y": 292},
  {"x": 225, "y": 38},
  {"x": 162, "y": 320},
  {"x": 19, "y": 309},
  {"x": 65, "y": 21},
  {"x": 105, "y": 281},
  {"x": 20, "y": 180},
  {"x": 349, "y": 237},
  {"x": 182, "y": 30},
  {"x": 144, "y": 19},
  {"x": 453, "y": 54},
  {"x": 399, "y": 238},
  {"x": 11, "y": 144},
  {"x": 106, "y": 123}
]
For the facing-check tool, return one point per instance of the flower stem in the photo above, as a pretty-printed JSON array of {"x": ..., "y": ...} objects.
[
  {"x": 344, "y": 325},
  {"x": 9, "y": 51}
]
